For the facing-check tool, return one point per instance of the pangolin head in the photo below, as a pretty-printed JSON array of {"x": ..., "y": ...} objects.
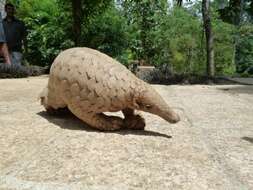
[{"x": 150, "y": 101}]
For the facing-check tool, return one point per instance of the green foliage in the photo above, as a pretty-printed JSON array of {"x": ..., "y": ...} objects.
[
  {"x": 237, "y": 12},
  {"x": 45, "y": 42},
  {"x": 177, "y": 42},
  {"x": 224, "y": 47},
  {"x": 244, "y": 56},
  {"x": 89, "y": 8},
  {"x": 136, "y": 29},
  {"x": 47, "y": 26},
  {"x": 240, "y": 14},
  {"x": 176, "y": 38},
  {"x": 81, "y": 14},
  {"x": 141, "y": 16},
  {"x": 108, "y": 33}
]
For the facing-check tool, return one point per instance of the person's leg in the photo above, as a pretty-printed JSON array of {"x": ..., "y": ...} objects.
[
  {"x": 3, "y": 46},
  {"x": 16, "y": 58},
  {"x": 5, "y": 53}
]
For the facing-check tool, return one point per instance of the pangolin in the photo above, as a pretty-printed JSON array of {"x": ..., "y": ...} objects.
[{"x": 90, "y": 83}]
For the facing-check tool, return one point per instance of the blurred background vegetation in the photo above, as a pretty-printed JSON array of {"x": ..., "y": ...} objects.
[{"x": 156, "y": 32}]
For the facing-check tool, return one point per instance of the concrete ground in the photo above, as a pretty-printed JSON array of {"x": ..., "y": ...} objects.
[
  {"x": 211, "y": 148},
  {"x": 247, "y": 81}
]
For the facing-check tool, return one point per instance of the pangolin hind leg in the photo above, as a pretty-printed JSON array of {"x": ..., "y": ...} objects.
[{"x": 133, "y": 121}]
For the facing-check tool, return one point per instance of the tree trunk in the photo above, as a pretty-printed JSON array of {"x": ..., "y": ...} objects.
[
  {"x": 237, "y": 22},
  {"x": 77, "y": 21},
  {"x": 209, "y": 37}
]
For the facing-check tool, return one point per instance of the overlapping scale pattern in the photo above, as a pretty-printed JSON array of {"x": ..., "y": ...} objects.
[{"x": 89, "y": 82}]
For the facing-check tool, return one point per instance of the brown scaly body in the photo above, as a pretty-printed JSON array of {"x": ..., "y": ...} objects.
[{"x": 89, "y": 83}]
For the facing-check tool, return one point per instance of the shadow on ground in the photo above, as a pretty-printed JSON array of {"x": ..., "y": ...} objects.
[
  {"x": 247, "y": 89},
  {"x": 249, "y": 139},
  {"x": 66, "y": 120}
]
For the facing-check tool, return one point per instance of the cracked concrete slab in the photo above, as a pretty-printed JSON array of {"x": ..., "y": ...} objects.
[{"x": 211, "y": 148}]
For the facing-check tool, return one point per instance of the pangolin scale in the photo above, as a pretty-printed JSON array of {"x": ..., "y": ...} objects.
[{"x": 89, "y": 83}]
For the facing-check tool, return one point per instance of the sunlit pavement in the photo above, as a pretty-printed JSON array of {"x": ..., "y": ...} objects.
[{"x": 211, "y": 148}]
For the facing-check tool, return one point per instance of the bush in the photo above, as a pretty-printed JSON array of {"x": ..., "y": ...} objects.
[
  {"x": 244, "y": 53},
  {"x": 177, "y": 41},
  {"x": 48, "y": 28},
  {"x": 163, "y": 75},
  {"x": 108, "y": 34}
]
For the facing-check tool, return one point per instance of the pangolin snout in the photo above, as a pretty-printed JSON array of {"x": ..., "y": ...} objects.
[
  {"x": 168, "y": 114},
  {"x": 174, "y": 118}
]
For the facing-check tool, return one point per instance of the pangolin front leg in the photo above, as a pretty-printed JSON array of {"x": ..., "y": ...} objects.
[
  {"x": 99, "y": 121},
  {"x": 133, "y": 121}
]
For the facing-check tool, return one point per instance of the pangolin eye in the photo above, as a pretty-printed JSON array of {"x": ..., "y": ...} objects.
[{"x": 148, "y": 106}]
